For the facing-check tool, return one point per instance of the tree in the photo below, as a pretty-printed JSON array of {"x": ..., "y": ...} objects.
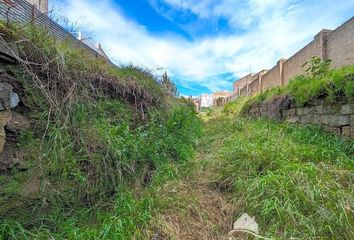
[{"x": 168, "y": 85}]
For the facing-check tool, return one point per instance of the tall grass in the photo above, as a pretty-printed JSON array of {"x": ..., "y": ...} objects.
[
  {"x": 296, "y": 181},
  {"x": 100, "y": 136}
]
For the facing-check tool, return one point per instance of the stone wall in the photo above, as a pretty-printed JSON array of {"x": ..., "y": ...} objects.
[
  {"x": 337, "y": 45},
  {"x": 335, "y": 118}
]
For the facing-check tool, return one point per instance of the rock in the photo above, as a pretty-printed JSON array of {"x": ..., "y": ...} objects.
[
  {"x": 347, "y": 109},
  {"x": 8, "y": 99},
  {"x": 8, "y": 52},
  {"x": 5, "y": 117},
  {"x": 245, "y": 222},
  {"x": 303, "y": 111},
  {"x": 17, "y": 122},
  {"x": 10, "y": 125},
  {"x": 336, "y": 120}
]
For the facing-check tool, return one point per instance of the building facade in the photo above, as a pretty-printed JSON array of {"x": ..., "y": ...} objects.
[
  {"x": 220, "y": 98},
  {"x": 206, "y": 100},
  {"x": 42, "y": 5}
]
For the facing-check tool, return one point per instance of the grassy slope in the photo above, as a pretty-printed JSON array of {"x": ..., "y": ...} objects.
[
  {"x": 99, "y": 133},
  {"x": 111, "y": 176},
  {"x": 297, "y": 181}
]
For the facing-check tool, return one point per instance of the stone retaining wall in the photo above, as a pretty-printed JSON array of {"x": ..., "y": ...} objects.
[{"x": 337, "y": 118}]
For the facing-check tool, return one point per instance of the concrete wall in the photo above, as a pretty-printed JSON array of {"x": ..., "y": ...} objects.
[
  {"x": 337, "y": 45},
  {"x": 270, "y": 79},
  {"x": 293, "y": 66},
  {"x": 243, "y": 91},
  {"x": 253, "y": 86},
  {"x": 340, "y": 45},
  {"x": 237, "y": 85}
]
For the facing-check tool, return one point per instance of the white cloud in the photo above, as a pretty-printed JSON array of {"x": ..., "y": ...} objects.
[{"x": 273, "y": 29}]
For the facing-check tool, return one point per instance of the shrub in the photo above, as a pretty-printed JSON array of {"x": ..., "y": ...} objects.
[{"x": 336, "y": 85}]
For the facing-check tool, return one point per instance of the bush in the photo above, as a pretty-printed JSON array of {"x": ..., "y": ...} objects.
[{"x": 336, "y": 85}]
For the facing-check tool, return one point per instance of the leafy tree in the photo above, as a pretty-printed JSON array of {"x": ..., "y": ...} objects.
[{"x": 168, "y": 85}]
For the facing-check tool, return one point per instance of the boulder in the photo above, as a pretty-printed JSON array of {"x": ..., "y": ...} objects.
[{"x": 8, "y": 99}]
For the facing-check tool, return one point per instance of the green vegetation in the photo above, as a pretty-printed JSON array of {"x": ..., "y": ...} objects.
[
  {"x": 296, "y": 181},
  {"x": 115, "y": 153},
  {"x": 334, "y": 86},
  {"x": 101, "y": 137},
  {"x": 319, "y": 83}
]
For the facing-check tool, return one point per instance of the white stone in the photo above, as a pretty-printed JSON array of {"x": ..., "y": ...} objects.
[{"x": 245, "y": 222}]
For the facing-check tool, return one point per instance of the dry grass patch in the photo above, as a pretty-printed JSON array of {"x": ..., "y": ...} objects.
[{"x": 193, "y": 212}]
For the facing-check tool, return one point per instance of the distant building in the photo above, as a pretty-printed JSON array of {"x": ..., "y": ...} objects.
[
  {"x": 196, "y": 102},
  {"x": 42, "y": 5},
  {"x": 206, "y": 100},
  {"x": 220, "y": 98}
]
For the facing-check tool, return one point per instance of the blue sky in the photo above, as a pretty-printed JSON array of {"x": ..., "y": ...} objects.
[{"x": 204, "y": 45}]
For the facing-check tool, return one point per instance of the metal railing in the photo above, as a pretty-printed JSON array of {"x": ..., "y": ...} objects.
[{"x": 23, "y": 12}]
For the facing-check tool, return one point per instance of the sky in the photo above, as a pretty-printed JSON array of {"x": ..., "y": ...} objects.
[{"x": 203, "y": 45}]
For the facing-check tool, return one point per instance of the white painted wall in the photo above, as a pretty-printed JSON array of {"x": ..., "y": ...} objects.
[{"x": 206, "y": 100}]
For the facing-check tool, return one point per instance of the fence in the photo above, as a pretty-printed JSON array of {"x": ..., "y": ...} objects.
[{"x": 23, "y": 12}]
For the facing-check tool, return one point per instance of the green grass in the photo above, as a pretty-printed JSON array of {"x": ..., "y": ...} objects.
[
  {"x": 333, "y": 86},
  {"x": 98, "y": 147},
  {"x": 297, "y": 181}
]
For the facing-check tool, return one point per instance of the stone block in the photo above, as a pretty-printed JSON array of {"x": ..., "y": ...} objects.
[
  {"x": 332, "y": 120},
  {"x": 289, "y": 113},
  {"x": 352, "y": 120},
  {"x": 325, "y": 109},
  {"x": 336, "y": 120},
  {"x": 348, "y": 131},
  {"x": 306, "y": 119},
  {"x": 303, "y": 111},
  {"x": 347, "y": 109}
]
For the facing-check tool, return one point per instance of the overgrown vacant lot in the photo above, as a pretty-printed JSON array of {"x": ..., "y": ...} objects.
[
  {"x": 296, "y": 181},
  {"x": 121, "y": 158}
]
